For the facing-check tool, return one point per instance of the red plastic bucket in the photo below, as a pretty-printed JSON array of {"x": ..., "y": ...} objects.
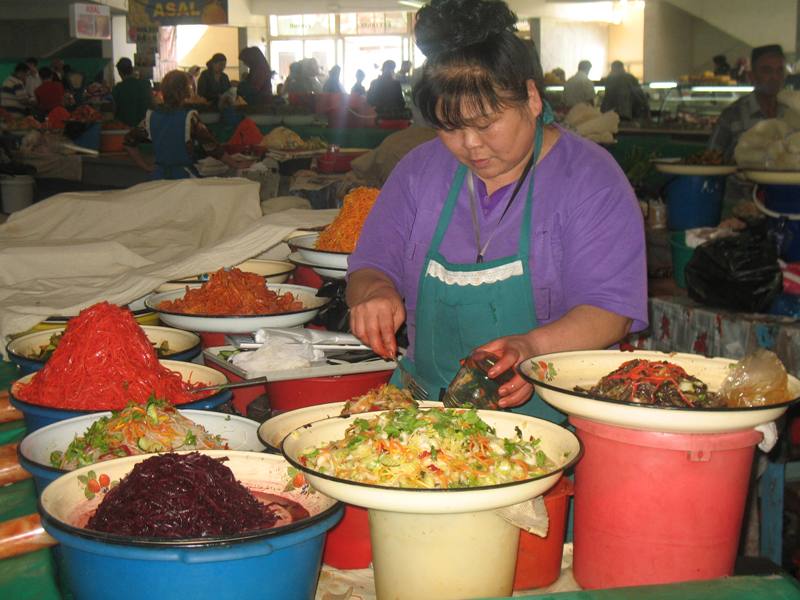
[
  {"x": 653, "y": 508},
  {"x": 299, "y": 393},
  {"x": 539, "y": 558},
  {"x": 347, "y": 545}
]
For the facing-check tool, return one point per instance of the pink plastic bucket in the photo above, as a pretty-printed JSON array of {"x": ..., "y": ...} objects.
[{"x": 654, "y": 508}]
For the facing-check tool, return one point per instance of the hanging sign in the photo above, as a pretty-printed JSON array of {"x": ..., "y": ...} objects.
[
  {"x": 89, "y": 21},
  {"x": 160, "y": 13}
]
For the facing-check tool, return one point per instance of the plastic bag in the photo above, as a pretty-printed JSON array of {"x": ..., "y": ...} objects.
[
  {"x": 739, "y": 272},
  {"x": 758, "y": 379}
]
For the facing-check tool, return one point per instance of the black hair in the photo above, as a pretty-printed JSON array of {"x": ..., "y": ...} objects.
[
  {"x": 45, "y": 73},
  {"x": 22, "y": 68},
  {"x": 32, "y": 61},
  {"x": 585, "y": 65},
  {"x": 476, "y": 64},
  {"x": 760, "y": 51},
  {"x": 125, "y": 67},
  {"x": 218, "y": 57}
]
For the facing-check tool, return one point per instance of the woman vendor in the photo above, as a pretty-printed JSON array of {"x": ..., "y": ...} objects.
[
  {"x": 256, "y": 86},
  {"x": 506, "y": 232},
  {"x": 175, "y": 133},
  {"x": 213, "y": 81}
]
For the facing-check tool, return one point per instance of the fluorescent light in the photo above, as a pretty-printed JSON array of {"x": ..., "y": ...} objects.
[
  {"x": 411, "y": 3},
  {"x": 722, "y": 88},
  {"x": 663, "y": 85},
  {"x": 554, "y": 88}
]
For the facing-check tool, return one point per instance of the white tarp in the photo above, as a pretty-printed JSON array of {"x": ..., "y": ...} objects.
[{"x": 75, "y": 249}]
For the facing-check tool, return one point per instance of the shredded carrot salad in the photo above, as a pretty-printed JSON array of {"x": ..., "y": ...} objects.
[
  {"x": 342, "y": 234},
  {"x": 233, "y": 293},
  {"x": 103, "y": 361}
]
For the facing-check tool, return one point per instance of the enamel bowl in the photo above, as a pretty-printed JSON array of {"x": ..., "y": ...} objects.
[
  {"x": 555, "y": 377},
  {"x": 184, "y": 345},
  {"x": 35, "y": 448},
  {"x": 242, "y": 323},
  {"x": 274, "y": 271},
  {"x": 304, "y": 244},
  {"x": 272, "y": 431}
]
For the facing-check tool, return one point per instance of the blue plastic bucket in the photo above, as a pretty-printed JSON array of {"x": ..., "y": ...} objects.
[
  {"x": 281, "y": 563},
  {"x": 694, "y": 201},
  {"x": 784, "y": 199}
]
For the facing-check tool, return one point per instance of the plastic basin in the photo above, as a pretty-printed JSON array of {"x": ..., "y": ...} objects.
[{"x": 277, "y": 563}]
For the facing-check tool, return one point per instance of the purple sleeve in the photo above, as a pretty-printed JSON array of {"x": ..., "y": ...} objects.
[{"x": 604, "y": 262}]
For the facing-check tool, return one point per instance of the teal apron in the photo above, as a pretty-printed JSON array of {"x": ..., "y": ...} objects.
[{"x": 454, "y": 315}]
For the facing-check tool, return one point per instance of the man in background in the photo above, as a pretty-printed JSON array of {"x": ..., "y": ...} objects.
[
  {"x": 768, "y": 74},
  {"x": 579, "y": 88},
  {"x": 624, "y": 94},
  {"x": 33, "y": 80},
  {"x": 50, "y": 93},
  {"x": 385, "y": 93},
  {"x": 132, "y": 96},
  {"x": 13, "y": 96}
]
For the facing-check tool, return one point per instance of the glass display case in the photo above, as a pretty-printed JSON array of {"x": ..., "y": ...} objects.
[
  {"x": 691, "y": 106},
  {"x": 686, "y": 107}
]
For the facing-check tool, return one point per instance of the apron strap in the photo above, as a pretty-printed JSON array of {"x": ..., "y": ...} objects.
[{"x": 447, "y": 211}]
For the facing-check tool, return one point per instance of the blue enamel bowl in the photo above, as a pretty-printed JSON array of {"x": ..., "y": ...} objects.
[
  {"x": 37, "y": 416},
  {"x": 183, "y": 345}
]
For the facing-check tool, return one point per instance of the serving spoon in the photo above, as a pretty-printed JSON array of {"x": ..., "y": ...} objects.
[{"x": 231, "y": 384}]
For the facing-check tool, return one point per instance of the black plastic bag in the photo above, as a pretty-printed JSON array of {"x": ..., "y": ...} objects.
[{"x": 740, "y": 272}]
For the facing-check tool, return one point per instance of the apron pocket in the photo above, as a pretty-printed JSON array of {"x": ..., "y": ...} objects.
[{"x": 469, "y": 325}]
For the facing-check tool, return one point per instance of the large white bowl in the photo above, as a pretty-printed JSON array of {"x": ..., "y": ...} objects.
[
  {"x": 241, "y": 324},
  {"x": 773, "y": 177},
  {"x": 671, "y": 167},
  {"x": 272, "y": 431},
  {"x": 35, "y": 449},
  {"x": 179, "y": 341},
  {"x": 137, "y": 307},
  {"x": 561, "y": 445},
  {"x": 320, "y": 258},
  {"x": 274, "y": 271},
  {"x": 556, "y": 375},
  {"x": 297, "y": 259}
]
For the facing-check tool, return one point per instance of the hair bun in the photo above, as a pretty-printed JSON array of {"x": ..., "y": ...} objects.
[{"x": 446, "y": 25}]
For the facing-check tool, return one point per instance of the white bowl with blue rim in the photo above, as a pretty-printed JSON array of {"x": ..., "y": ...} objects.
[
  {"x": 241, "y": 323},
  {"x": 34, "y": 450}
]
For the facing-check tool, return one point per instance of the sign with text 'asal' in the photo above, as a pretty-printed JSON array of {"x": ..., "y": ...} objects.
[
  {"x": 89, "y": 21},
  {"x": 159, "y": 13}
]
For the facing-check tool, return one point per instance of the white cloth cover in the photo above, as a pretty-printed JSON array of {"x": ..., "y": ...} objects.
[{"x": 75, "y": 249}]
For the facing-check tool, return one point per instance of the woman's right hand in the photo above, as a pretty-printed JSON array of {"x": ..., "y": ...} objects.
[{"x": 376, "y": 314}]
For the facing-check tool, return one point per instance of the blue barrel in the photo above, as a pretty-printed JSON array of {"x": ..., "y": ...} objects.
[
  {"x": 784, "y": 199},
  {"x": 694, "y": 201}
]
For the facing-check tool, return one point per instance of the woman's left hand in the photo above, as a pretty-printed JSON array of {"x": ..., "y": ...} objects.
[{"x": 511, "y": 350}]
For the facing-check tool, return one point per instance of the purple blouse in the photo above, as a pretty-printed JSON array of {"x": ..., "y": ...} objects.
[{"x": 587, "y": 244}]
